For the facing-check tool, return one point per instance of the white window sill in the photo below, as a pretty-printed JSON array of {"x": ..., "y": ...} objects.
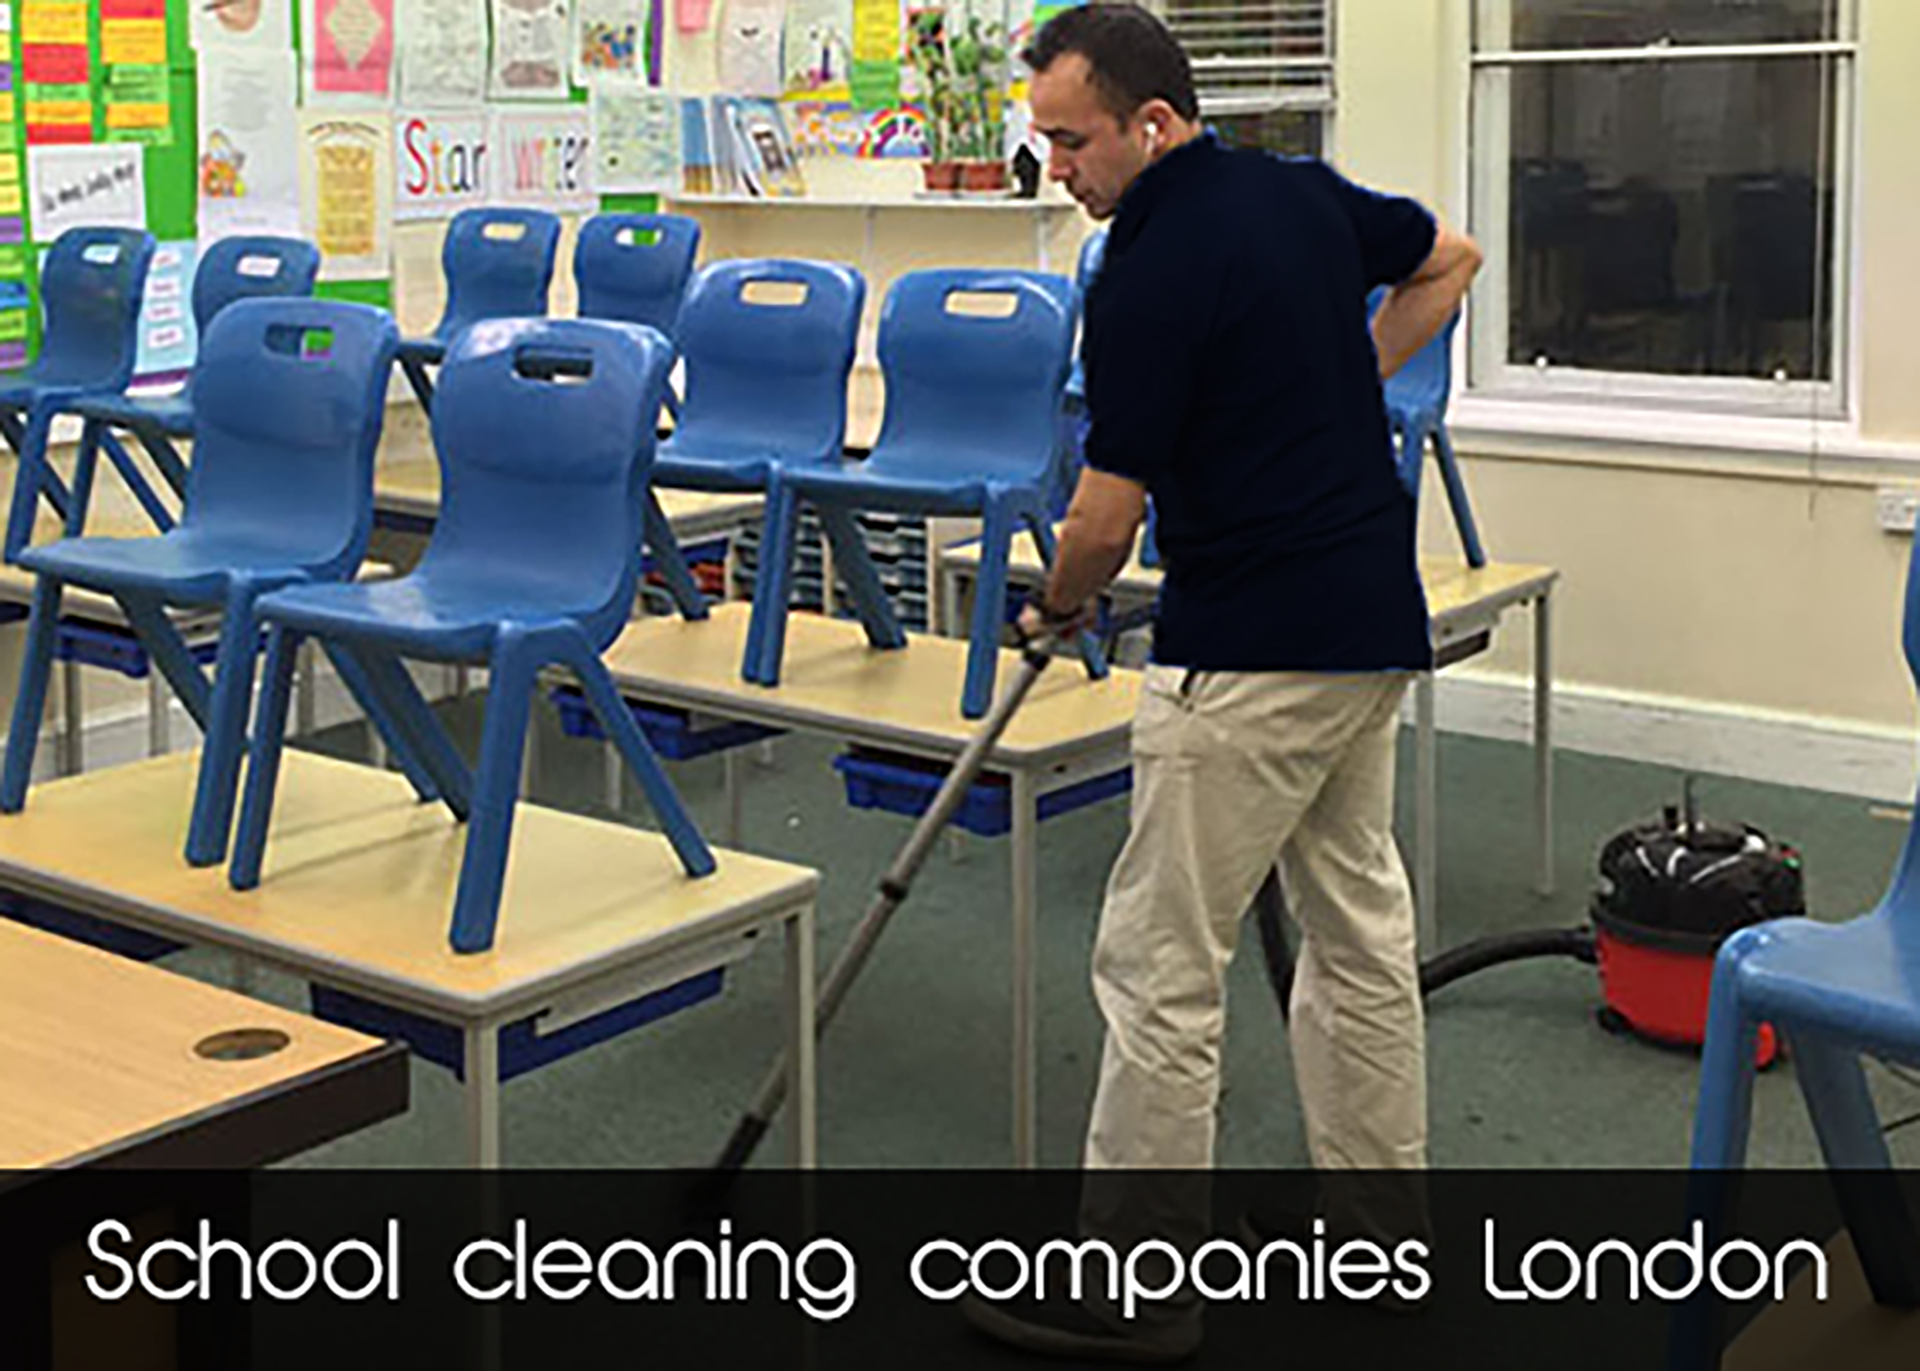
[{"x": 1508, "y": 427}]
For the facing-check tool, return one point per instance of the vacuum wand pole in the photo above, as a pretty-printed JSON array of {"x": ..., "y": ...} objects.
[{"x": 892, "y": 892}]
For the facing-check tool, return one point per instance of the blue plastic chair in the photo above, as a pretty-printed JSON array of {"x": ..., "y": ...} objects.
[
  {"x": 544, "y": 433},
  {"x": 90, "y": 290},
  {"x": 634, "y": 268},
  {"x": 971, "y": 428},
  {"x": 1833, "y": 992},
  {"x": 1417, "y": 397},
  {"x": 498, "y": 264},
  {"x": 767, "y": 346},
  {"x": 243, "y": 268},
  {"x": 288, "y": 397}
]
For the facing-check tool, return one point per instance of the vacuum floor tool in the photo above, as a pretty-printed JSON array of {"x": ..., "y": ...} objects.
[{"x": 889, "y": 895}]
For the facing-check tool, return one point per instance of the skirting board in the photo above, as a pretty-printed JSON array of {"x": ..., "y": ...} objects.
[{"x": 1839, "y": 756}]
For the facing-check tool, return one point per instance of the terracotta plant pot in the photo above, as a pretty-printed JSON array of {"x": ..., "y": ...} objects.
[
  {"x": 941, "y": 175},
  {"x": 983, "y": 175}
]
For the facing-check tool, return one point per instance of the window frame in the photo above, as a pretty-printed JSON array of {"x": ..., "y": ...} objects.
[
  {"x": 1321, "y": 100},
  {"x": 1483, "y": 352}
]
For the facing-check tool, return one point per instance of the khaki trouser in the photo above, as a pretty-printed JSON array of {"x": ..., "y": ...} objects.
[{"x": 1234, "y": 772}]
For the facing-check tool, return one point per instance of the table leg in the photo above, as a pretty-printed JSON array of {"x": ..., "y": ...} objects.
[
  {"x": 802, "y": 1033},
  {"x": 1026, "y": 899},
  {"x": 483, "y": 1096},
  {"x": 1543, "y": 735},
  {"x": 72, "y": 752},
  {"x": 159, "y": 717},
  {"x": 1426, "y": 805},
  {"x": 736, "y": 798}
]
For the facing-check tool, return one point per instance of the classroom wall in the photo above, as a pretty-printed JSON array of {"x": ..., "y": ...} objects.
[{"x": 1709, "y": 579}]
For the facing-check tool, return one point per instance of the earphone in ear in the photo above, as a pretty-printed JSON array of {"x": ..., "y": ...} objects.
[{"x": 1153, "y": 136}]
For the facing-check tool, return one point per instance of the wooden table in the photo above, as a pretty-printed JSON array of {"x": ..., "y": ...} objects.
[
  {"x": 357, "y": 895},
  {"x": 108, "y": 1062},
  {"x": 1071, "y": 729},
  {"x": 1465, "y": 606}
]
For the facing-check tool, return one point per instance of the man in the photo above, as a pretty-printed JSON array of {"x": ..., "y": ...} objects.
[{"x": 1231, "y": 375}]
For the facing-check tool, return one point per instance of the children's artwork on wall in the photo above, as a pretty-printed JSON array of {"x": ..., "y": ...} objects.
[
  {"x": 75, "y": 187},
  {"x": 609, "y": 42},
  {"x": 346, "y": 191},
  {"x": 348, "y": 47},
  {"x": 529, "y": 50},
  {"x": 241, "y": 23},
  {"x": 167, "y": 339},
  {"x": 248, "y": 144},
  {"x": 750, "y": 32},
  {"x": 636, "y": 142},
  {"x": 817, "y": 52},
  {"x": 541, "y": 158},
  {"x": 440, "y": 162},
  {"x": 442, "y": 56}
]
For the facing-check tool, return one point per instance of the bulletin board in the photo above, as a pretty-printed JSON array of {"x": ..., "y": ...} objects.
[{"x": 102, "y": 104}]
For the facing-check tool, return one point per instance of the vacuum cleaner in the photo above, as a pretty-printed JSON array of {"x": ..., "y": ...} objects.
[{"x": 1670, "y": 891}]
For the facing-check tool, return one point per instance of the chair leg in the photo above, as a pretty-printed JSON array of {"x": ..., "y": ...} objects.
[
  {"x": 33, "y": 479},
  {"x": 989, "y": 610},
  {"x": 263, "y": 759},
  {"x": 226, "y": 737},
  {"x": 135, "y": 480},
  {"x": 417, "y": 734},
  {"x": 483, "y": 869},
  {"x": 1457, "y": 498},
  {"x": 854, "y": 564},
  {"x": 415, "y": 371},
  {"x": 617, "y": 720},
  {"x": 87, "y": 463},
  {"x": 166, "y": 459},
  {"x": 1860, "y": 1167},
  {"x": 169, "y": 652},
  {"x": 672, "y": 562},
  {"x": 1090, "y": 654},
  {"x": 773, "y": 590},
  {"x": 29, "y": 704},
  {"x": 353, "y": 675}
]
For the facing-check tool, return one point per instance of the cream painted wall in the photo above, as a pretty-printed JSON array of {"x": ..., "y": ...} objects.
[{"x": 1739, "y": 581}]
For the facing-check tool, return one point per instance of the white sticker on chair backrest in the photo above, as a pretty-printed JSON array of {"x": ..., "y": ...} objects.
[
  {"x": 259, "y": 265},
  {"x": 779, "y": 294},
  {"x": 505, "y": 231},
  {"x": 631, "y": 237},
  {"x": 102, "y": 254},
  {"x": 983, "y": 304}
]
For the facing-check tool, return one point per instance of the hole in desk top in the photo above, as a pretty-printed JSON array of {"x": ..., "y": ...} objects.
[
  {"x": 983, "y": 304},
  {"x": 504, "y": 232},
  {"x": 780, "y": 294},
  {"x": 631, "y": 237},
  {"x": 242, "y": 1044}
]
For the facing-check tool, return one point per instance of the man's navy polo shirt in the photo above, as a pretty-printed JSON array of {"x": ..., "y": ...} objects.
[{"x": 1230, "y": 370}]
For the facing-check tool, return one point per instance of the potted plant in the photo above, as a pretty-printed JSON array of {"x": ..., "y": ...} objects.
[{"x": 961, "y": 73}]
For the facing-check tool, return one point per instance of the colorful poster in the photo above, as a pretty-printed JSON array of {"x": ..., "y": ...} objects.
[
  {"x": 818, "y": 49},
  {"x": 241, "y": 23},
  {"x": 71, "y": 187},
  {"x": 442, "y": 53},
  {"x": 874, "y": 77},
  {"x": 56, "y": 69},
  {"x": 133, "y": 49},
  {"x": 249, "y": 144},
  {"x": 346, "y": 191},
  {"x": 529, "y": 50},
  {"x": 348, "y": 46},
  {"x": 439, "y": 161},
  {"x": 609, "y": 42},
  {"x": 636, "y": 142},
  {"x": 167, "y": 341},
  {"x": 14, "y": 299},
  {"x": 540, "y": 157}
]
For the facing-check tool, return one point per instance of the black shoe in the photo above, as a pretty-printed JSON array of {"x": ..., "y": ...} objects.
[
  {"x": 1258, "y": 1227},
  {"x": 1066, "y": 1329}
]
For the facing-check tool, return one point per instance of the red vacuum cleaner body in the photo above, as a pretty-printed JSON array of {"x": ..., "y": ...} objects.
[{"x": 1670, "y": 893}]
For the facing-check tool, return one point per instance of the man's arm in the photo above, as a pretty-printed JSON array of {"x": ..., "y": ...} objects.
[
  {"x": 1417, "y": 309},
  {"x": 1096, "y": 539}
]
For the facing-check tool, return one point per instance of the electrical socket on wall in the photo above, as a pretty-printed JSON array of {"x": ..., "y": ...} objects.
[{"x": 1896, "y": 508}]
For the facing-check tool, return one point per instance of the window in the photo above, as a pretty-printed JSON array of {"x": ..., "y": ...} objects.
[
  {"x": 1264, "y": 68},
  {"x": 1661, "y": 188}
]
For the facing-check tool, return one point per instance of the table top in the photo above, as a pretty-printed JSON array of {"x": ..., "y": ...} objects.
[
  {"x": 1453, "y": 587},
  {"x": 359, "y": 881},
  {"x": 833, "y": 682},
  {"x": 101, "y": 1057}
]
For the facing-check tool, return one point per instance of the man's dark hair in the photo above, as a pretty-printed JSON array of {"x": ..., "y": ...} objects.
[{"x": 1129, "y": 52}]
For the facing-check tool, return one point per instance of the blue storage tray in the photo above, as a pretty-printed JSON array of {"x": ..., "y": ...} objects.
[
  {"x": 670, "y": 731},
  {"x": 84, "y": 928},
  {"x": 521, "y": 1048},
  {"x": 901, "y": 784},
  {"x": 114, "y": 648}
]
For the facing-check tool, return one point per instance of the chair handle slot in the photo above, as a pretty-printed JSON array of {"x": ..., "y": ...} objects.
[
  {"x": 631, "y": 237},
  {"x": 301, "y": 341},
  {"x": 561, "y": 366}
]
